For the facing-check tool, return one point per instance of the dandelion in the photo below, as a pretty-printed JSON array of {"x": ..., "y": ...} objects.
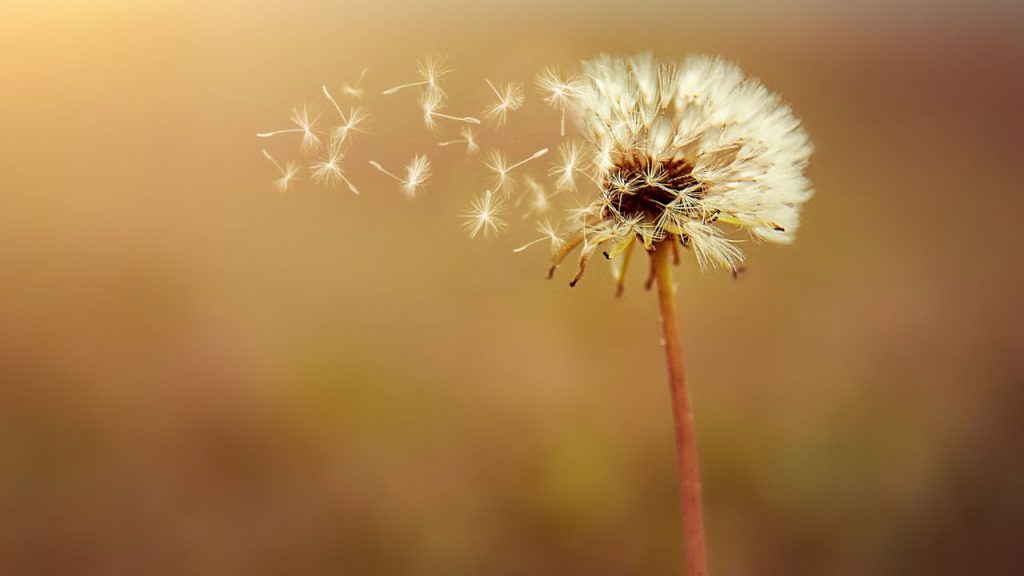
[
  {"x": 430, "y": 71},
  {"x": 484, "y": 216},
  {"x": 431, "y": 102},
  {"x": 329, "y": 172},
  {"x": 355, "y": 90},
  {"x": 560, "y": 93},
  {"x": 351, "y": 122},
  {"x": 690, "y": 148},
  {"x": 685, "y": 155},
  {"x": 549, "y": 233},
  {"x": 510, "y": 97},
  {"x": 497, "y": 163},
  {"x": 468, "y": 138},
  {"x": 570, "y": 165},
  {"x": 417, "y": 172},
  {"x": 306, "y": 121},
  {"x": 288, "y": 172}
]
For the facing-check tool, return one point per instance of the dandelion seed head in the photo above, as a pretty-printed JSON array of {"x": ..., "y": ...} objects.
[{"x": 691, "y": 151}]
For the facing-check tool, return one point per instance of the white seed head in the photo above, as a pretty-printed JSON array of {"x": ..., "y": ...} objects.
[{"x": 679, "y": 150}]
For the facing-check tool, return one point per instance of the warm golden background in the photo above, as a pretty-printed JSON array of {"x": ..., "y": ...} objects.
[{"x": 200, "y": 375}]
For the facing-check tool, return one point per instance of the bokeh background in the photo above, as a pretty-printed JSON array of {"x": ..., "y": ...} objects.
[{"x": 201, "y": 375}]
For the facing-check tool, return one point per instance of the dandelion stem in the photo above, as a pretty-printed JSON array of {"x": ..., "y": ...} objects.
[{"x": 682, "y": 411}]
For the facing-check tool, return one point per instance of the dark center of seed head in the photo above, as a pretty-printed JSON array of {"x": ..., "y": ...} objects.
[{"x": 642, "y": 197}]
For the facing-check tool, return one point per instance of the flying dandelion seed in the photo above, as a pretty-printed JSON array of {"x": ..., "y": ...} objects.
[
  {"x": 355, "y": 90},
  {"x": 468, "y": 138},
  {"x": 484, "y": 216},
  {"x": 497, "y": 163},
  {"x": 417, "y": 172},
  {"x": 570, "y": 165},
  {"x": 538, "y": 200},
  {"x": 510, "y": 97},
  {"x": 549, "y": 233},
  {"x": 430, "y": 104},
  {"x": 430, "y": 71},
  {"x": 560, "y": 93},
  {"x": 288, "y": 172},
  {"x": 329, "y": 172},
  {"x": 351, "y": 122},
  {"x": 305, "y": 120}
]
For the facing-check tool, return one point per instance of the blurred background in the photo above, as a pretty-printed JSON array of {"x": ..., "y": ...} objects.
[{"x": 202, "y": 375}]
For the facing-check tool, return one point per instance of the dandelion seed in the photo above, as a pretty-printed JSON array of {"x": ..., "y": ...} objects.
[
  {"x": 537, "y": 198},
  {"x": 497, "y": 162},
  {"x": 510, "y": 98},
  {"x": 430, "y": 103},
  {"x": 484, "y": 216},
  {"x": 566, "y": 170},
  {"x": 288, "y": 172},
  {"x": 355, "y": 90},
  {"x": 430, "y": 71},
  {"x": 550, "y": 234},
  {"x": 306, "y": 121},
  {"x": 417, "y": 172},
  {"x": 468, "y": 138},
  {"x": 351, "y": 122},
  {"x": 560, "y": 94},
  {"x": 329, "y": 172}
]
